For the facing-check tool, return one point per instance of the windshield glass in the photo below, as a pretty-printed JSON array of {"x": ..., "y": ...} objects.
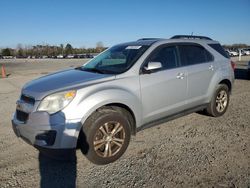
[{"x": 115, "y": 60}]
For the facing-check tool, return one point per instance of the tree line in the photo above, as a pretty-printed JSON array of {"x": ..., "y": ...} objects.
[
  {"x": 50, "y": 51},
  {"x": 236, "y": 46}
]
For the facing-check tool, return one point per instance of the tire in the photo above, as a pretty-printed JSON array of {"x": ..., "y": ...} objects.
[
  {"x": 105, "y": 136},
  {"x": 220, "y": 101}
]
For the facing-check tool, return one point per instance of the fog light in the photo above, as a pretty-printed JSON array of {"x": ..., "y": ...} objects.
[{"x": 49, "y": 137}]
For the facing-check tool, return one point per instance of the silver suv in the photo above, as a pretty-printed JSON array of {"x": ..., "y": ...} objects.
[{"x": 127, "y": 88}]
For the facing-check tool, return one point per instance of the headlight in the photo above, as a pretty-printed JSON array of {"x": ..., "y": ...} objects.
[{"x": 56, "y": 102}]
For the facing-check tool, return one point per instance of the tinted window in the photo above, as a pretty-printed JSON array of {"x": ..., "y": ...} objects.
[
  {"x": 194, "y": 54},
  {"x": 219, "y": 49},
  {"x": 208, "y": 56},
  {"x": 166, "y": 55}
]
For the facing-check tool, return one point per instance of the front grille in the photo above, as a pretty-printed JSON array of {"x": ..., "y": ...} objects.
[
  {"x": 28, "y": 99},
  {"x": 22, "y": 116}
]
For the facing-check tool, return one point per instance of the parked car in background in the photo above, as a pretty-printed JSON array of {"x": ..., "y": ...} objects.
[
  {"x": 232, "y": 53},
  {"x": 246, "y": 51},
  {"x": 59, "y": 56},
  {"x": 9, "y": 57},
  {"x": 89, "y": 56},
  {"x": 70, "y": 56},
  {"x": 21, "y": 57},
  {"x": 127, "y": 88}
]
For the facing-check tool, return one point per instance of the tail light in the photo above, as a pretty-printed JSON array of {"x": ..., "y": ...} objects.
[{"x": 233, "y": 65}]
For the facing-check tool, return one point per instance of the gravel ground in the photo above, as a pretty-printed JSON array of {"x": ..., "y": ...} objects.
[{"x": 192, "y": 151}]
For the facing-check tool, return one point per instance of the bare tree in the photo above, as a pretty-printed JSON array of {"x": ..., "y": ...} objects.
[
  {"x": 99, "y": 46},
  {"x": 20, "y": 51},
  {"x": 62, "y": 47},
  {"x": 68, "y": 49}
]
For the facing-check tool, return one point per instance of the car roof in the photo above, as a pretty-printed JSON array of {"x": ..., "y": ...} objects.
[{"x": 150, "y": 41}]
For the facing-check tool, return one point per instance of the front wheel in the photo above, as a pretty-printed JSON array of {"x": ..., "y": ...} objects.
[
  {"x": 220, "y": 100},
  {"x": 107, "y": 135}
]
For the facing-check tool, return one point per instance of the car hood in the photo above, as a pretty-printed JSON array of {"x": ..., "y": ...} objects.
[{"x": 61, "y": 81}]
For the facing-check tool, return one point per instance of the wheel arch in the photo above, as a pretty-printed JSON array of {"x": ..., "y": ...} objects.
[
  {"x": 111, "y": 98},
  {"x": 227, "y": 83},
  {"x": 120, "y": 107},
  {"x": 218, "y": 78},
  {"x": 126, "y": 111}
]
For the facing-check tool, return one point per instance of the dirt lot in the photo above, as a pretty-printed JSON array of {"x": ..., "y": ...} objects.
[{"x": 192, "y": 151}]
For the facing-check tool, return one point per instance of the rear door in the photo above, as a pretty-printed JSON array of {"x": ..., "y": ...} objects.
[
  {"x": 200, "y": 70},
  {"x": 163, "y": 92}
]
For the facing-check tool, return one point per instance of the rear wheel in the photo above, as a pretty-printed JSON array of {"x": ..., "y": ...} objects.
[
  {"x": 220, "y": 100},
  {"x": 107, "y": 135}
]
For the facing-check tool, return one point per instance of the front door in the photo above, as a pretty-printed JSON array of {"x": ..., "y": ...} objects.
[{"x": 163, "y": 92}]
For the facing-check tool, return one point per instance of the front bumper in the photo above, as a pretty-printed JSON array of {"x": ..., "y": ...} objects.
[{"x": 48, "y": 131}]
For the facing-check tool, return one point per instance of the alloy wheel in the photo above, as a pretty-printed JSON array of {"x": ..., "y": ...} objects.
[
  {"x": 109, "y": 139},
  {"x": 221, "y": 101}
]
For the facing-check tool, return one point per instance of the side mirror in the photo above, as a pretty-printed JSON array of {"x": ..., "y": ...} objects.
[{"x": 152, "y": 66}]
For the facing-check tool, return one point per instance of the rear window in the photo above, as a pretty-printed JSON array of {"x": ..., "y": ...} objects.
[
  {"x": 194, "y": 54},
  {"x": 219, "y": 49}
]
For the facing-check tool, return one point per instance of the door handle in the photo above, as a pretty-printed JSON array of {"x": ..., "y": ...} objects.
[
  {"x": 211, "y": 67},
  {"x": 180, "y": 75}
]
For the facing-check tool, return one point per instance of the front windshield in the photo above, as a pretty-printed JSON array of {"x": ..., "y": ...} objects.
[{"x": 115, "y": 60}]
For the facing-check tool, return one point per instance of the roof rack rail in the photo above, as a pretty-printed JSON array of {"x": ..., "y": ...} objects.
[
  {"x": 190, "y": 37},
  {"x": 150, "y": 39}
]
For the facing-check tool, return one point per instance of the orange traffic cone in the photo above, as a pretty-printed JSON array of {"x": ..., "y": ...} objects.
[{"x": 3, "y": 72}]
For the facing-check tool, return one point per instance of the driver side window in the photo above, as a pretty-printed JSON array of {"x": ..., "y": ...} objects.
[{"x": 167, "y": 56}]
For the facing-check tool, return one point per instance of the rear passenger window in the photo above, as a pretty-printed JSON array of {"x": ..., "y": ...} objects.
[
  {"x": 194, "y": 54},
  {"x": 166, "y": 55},
  {"x": 219, "y": 49}
]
